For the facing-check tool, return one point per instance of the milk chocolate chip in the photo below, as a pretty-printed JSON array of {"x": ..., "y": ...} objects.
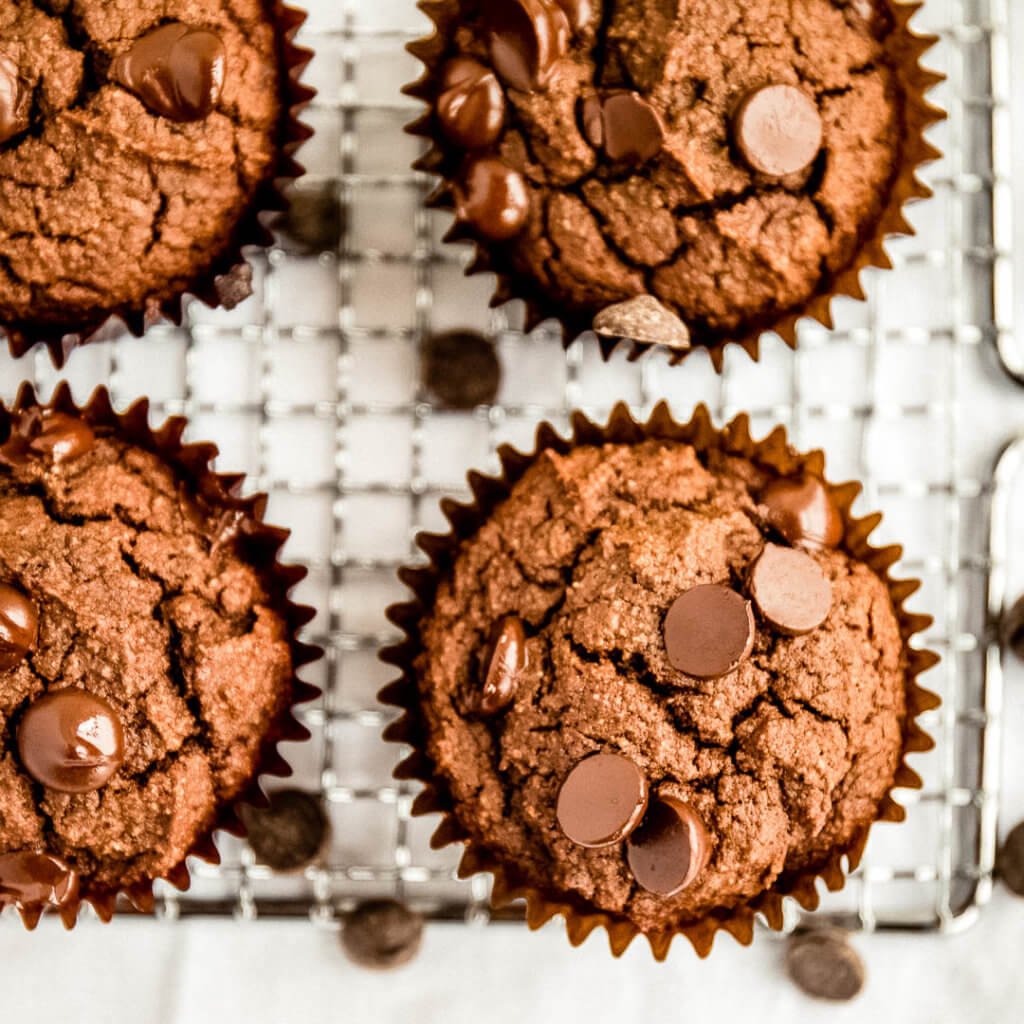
[
  {"x": 669, "y": 849},
  {"x": 802, "y": 511},
  {"x": 471, "y": 107},
  {"x": 526, "y": 39},
  {"x": 460, "y": 369},
  {"x": 778, "y": 130},
  {"x": 289, "y": 832},
  {"x": 382, "y": 934},
  {"x": 493, "y": 198},
  {"x": 19, "y": 624},
  {"x": 71, "y": 741},
  {"x": 624, "y": 125},
  {"x": 790, "y": 590},
  {"x": 505, "y": 660},
  {"x": 36, "y": 879},
  {"x": 823, "y": 964},
  {"x": 708, "y": 631},
  {"x": 14, "y": 100},
  {"x": 602, "y": 800},
  {"x": 643, "y": 319},
  {"x": 1010, "y": 860},
  {"x": 176, "y": 70}
]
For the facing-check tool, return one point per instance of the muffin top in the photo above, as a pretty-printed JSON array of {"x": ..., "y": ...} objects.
[
  {"x": 655, "y": 687},
  {"x": 726, "y": 158},
  {"x": 130, "y": 148},
  {"x": 142, "y": 661}
]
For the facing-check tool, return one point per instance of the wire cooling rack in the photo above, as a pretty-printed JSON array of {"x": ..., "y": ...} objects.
[{"x": 312, "y": 388}]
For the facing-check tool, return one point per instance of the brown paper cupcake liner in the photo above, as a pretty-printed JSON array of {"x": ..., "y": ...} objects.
[
  {"x": 217, "y": 492},
  {"x": 906, "y": 46},
  {"x": 772, "y": 452},
  {"x": 227, "y": 281}
]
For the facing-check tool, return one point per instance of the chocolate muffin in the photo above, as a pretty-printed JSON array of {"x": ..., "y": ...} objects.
[
  {"x": 659, "y": 684},
  {"x": 135, "y": 153},
  {"x": 738, "y": 163},
  {"x": 147, "y": 657}
]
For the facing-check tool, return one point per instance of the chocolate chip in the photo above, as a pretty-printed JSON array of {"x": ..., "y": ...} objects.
[
  {"x": 503, "y": 664},
  {"x": 709, "y": 630},
  {"x": 313, "y": 222},
  {"x": 602, "y": 800},
  {"x": 778, "y": 130},
  {"x": 1010, "y": 860},
  {"x": 36, "y": 879},
  {"x": 1011, "y": 628},
  {"x": 290, "y": 832},
  {"x": 71, "y": 741},
  {"x": 579, "y": 12},
  {"x": 493, "y": 198},
  {"x": 624, "y": 125},
  {"x": 382, "y": 934},
  {"x": 790, "y": 590},
  {"x": 46, "y": 433},
  {"x": 14, "y": 100},
  {"x": 669, "y": 849},
  {"x": 19, "y": 625},
  {"x": 471, "y": 107},
  {"x": 461, "y": 369},
  {"x": 802, "y": 511},
  {"x": 823, "y": 964},
  {"x": 643, "y": 319},
  {"x": 526, "y": 39},
  {"x": 176, "y": 70}
]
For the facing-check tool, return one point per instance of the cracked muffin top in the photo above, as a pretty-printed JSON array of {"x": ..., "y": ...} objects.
[
  {"x": 728, "y": 159},
  {"x": 143, "y": 660},
  {"x": 655, "y": 685},
  {"x": 131, "y": 147}
]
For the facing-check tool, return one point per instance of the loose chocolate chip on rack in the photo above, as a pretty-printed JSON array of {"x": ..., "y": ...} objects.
[
  {"x": 502, "y": 666},
  {"x": 176, "y": 70},
  {"x": 708, "y": 631},
  {"x": 382, "y": 934},
  {"x": 19, "y": 624},
  {"x": 602, "y": 800},
  {"x": 1010, "y": 861},
  {"x": 579, "y": 12},
  {"x": 669, "y": 849},
  {"x": 14, "y": 100},
  {"x": 35, "y": 879},
  {"x": 778, "y": 130},
  {"x": 790, "y": 590},
  {"x": 314, "y": 221},
  {"x": 1011, "y": 628},
  {"x": 823, "y": 964},
  {"x": 290, "y": 832},
  {"x": 71, "y": 741},
  {"x": 493, "y": 198},
  {"x": 643, "y": 319},
  {"x": 471, "y": 107},
  {"x": 802, "y": 511},
  {"x": 526, "y": 39},
  {"x": 624, "y": 125},
  {"x": 460, "y": 368}
]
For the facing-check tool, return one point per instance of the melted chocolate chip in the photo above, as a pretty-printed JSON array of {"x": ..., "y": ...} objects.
[
  {"x": 802, "y": 511},
  {"x": 460, "y": 368},
  {"x": 471, "y": 107},
  {"x": 14, "y": 100},
  {"x": 526, "y": 39},
  {"x": 579, "y": 12},
  {"x": 790, "y": 590},
  {"x": 382, "y": 934},
  {"x": 493, "y": 198},
  {"x": 602, "y": 800},
  {"x": 47, "y": 434},
  {"x": 71, "y": 741},
  {"x": 19, "y": 625},
  {"x": 289, "y": 832},
  {"x": 823, "y": 964},
  {"x": 36, "y": 879},
  {"x": 778, "y": 130},
  {"x": 505, "y": 661},
  {"x": 624, "y": 125},
  {"x": 709, "y": 630},
  {"x": 176, "y": 70},
  {"x": 669, "y": 849}
]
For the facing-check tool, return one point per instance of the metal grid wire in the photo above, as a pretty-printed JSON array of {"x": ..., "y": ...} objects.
[{"x": 312, "y": 388}]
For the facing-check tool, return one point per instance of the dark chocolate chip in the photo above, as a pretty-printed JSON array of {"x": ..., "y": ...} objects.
[
  {"x": 290, "y": 832},
  {"x": 579, "y": 12},
  {"x": 823, "y": 964},
  {"x": 643, "y": 319},
  {"x": 36, "y": 879},
  {"x": 709, "y": 630},
  {"x": 526, "y": 39},
  {"x": 502, "y": 666},
  {"x": 1010, "y": 860},
  {"x": 790, "y": 590},
  {"x": 778, "y": 130},
  {"x": 71, "y": 741},
  {"x": 14, "y": 100},
  {"x": 19, "y": 625},
  {"x": 801, "y": 509},
  {"x": 633, "y": 129},
  {"x": 461, "y": 369},
  {"x": 176, "y": 70},
  {"x": 1011, "y": 628},
  {"x": 382, "y": 934},
  {"x": 471, "y": 107},
  {"x": 669, "y": 849},
  {"x": 493, "y": 198},
  {"x": 602, "y": 800},
  {"x": 313, "y": 222}
]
